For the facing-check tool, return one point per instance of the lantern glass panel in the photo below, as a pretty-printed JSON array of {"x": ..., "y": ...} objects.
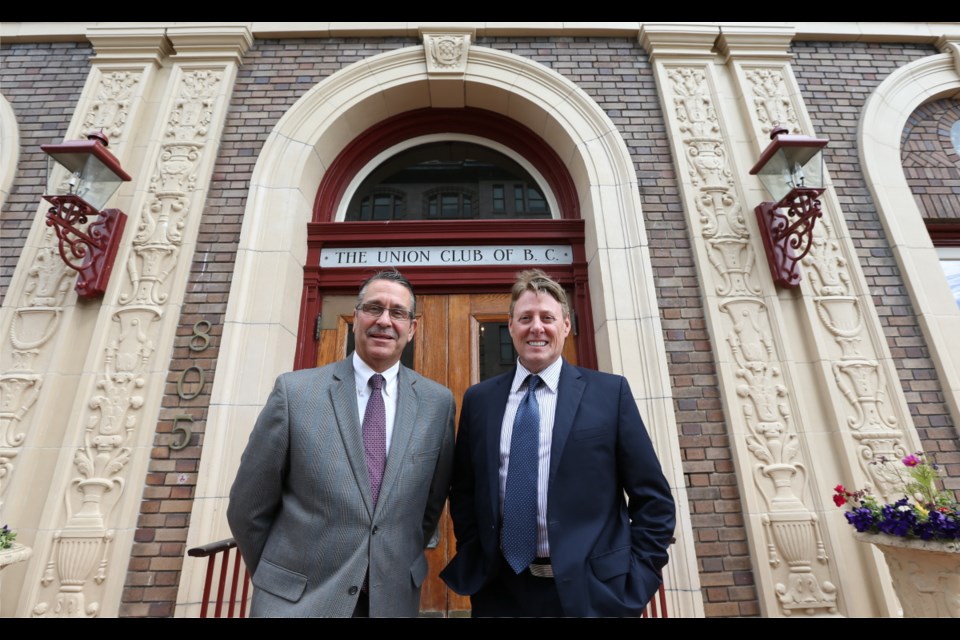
[
  {"x": 790, "y": 168},
  {"x": 83, "y": 175}
]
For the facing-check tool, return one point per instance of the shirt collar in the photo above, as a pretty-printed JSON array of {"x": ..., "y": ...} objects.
[
  {"x": 550, "y": 375},
  {"x": 362, "y": 373}
]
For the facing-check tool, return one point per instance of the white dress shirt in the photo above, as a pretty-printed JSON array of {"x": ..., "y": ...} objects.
[
  {"x": 362, "y": 373},
  {"x": 546, "y": 395}
]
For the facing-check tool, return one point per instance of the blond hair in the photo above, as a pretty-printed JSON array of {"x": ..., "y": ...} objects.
[{"x": 539, "y": 282}]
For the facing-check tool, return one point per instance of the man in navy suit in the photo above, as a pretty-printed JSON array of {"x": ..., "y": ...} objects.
[{"x": 558, "y": 501}]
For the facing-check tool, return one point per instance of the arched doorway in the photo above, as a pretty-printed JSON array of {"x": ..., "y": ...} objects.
[
  {"x": 438, "y": 209},
  {"x": 266, "y": 317}
]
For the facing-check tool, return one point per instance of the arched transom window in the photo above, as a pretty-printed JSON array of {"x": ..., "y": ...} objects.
[{"x": 448, "y": 180}]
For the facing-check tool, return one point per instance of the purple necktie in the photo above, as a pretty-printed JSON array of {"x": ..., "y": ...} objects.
[{"x": 375, "y": 436}]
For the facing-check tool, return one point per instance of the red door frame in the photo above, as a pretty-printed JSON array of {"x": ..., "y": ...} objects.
[{"x": 323, "y": 233}]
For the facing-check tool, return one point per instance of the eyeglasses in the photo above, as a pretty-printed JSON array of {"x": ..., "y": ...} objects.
[{"x": 376, "y": 310}]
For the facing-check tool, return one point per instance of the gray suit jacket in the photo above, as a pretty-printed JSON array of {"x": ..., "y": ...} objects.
[{"x": 300, "y": 507}]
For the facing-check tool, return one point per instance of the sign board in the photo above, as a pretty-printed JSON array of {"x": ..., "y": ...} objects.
[{"x": 445, "y": 256}]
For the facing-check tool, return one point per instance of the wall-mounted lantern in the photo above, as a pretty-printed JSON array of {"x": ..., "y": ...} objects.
[
  {"x": 81, "y": 177},
  {"x": 791, "y": 169}
]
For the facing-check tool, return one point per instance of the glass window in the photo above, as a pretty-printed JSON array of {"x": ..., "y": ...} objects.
[
  {"x": 448, "y": 180},
  {"x": 381, "y": 205},
  {"x": 950, "y": 261},
  {"x": 499, "y": 199},
  {"x": 496, "y": 352}
]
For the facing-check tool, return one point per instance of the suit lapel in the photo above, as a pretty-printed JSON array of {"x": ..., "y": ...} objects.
[
  {"x": 344, "y": 397},
  {"x": 497, "y": 406},
  {"x": 404, "y": 422},
  {"x": 569, "y": 391}
]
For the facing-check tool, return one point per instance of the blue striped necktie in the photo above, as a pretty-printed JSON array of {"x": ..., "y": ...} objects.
[{"x": 518, "y": 534}]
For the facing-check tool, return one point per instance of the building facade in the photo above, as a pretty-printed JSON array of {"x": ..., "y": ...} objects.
[{"x": 122, "y": 419}]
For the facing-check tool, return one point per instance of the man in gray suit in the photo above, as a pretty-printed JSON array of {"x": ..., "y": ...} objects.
[{"x": 345, "y": 475}]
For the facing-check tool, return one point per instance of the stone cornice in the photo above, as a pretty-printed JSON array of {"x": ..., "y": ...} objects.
[
  {"x": 678, "y": 40},
  {"x": 128, "y": 44},
  {"x": 853, "y": 31},
  {"x": 447, "y": 30},
  {"x": 951, "y": 46},
  {"x": 755, "y": 41},
  {"x": 211, "y": 41}
]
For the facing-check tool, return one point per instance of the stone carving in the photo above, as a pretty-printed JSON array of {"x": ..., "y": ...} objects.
[
  {"x": 35, "y": 320},
  {"x": 729, "y": 249},
  {"x": 771, "y": 103},
  {"x": 925, "y": 574},
  {"x": 857, "y": 373},
  {"x": 796, "y": 553},
  {"x": 879, "y": 455},
  {"x": 111, "y": 105},
  {"x": 446, "y": 52},
  {"x": 110, "y": 429}
]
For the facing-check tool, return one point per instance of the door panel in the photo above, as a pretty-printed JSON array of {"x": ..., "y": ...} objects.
[{"x": 453, "y": 346}]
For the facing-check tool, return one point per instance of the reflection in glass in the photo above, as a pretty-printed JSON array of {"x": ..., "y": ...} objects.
[
  {"x": 448, "y": 181},
  {"x": 951, "y": 269},
  {"x": 496, "y": 352}
]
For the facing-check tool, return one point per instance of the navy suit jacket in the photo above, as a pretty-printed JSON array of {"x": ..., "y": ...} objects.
[{"x": 606, "y": 550}]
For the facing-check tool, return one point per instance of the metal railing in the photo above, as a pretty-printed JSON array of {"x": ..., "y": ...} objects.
[
  {"x": 225, "y": 554},
  {"x": 657, "y": 605}
]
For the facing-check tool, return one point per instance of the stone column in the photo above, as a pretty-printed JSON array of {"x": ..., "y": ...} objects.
[
  {"x": 753, "y": 335},
  {"x": 42, "y": 323},
  {"x": 83, "y": 547},
  {"x": 860, "y": 425}
]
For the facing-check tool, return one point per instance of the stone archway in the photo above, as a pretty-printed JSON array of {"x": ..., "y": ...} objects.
[
  {"x": 9, "y": 148},
  {"x": 884, "y": 117},
  {"x": 259, "y": 336}
]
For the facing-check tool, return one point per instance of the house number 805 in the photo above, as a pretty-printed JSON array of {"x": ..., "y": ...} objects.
[{"x": 199, "y": 341}]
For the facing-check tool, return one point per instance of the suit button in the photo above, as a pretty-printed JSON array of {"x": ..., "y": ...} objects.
[
  {"x": 375, "y": 529},
  {"x": 353, "y": 590}
]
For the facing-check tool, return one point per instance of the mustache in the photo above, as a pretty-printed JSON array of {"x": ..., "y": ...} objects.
[{"x": 388, "y": 331}]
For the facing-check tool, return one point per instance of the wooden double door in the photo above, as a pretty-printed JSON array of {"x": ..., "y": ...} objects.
[{"x": 461, "y": 339}]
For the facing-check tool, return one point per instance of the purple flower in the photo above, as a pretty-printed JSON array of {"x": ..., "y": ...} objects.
[
  {"x": 861, "y": 518},
  {"x": 911, "y": 460},
  {"x": 897, "y": 519}
]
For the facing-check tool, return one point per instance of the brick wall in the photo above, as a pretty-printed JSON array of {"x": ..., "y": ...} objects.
[
  {"x": 617, "y": 74},
  {"x": 836, "y": 79},
  {"x": 932, "y": 167},
  {"x": 930, "y": 162},
  {"x": 274, "y": 75},
  {"x": 42, "y": 83}
]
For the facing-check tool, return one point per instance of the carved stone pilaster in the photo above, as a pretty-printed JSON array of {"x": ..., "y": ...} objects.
[
  {"x": 871, "y": 414},
  {"x": 79, "y": 559},
  {"x": 771, "y": 453},
  {"x": 771, "y": 104},
  {"x": 36, "y": 318},
  {"x": 112, "y": 103}
]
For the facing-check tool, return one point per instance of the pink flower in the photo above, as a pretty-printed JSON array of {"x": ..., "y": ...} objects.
[
  {"x": 911, "y": 460},
  {"x": 839, "y": 499}
]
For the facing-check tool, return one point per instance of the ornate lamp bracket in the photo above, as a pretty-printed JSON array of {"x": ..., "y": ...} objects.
[
  {"x": 90, "y": 249},
  {"x": 791, "y": 170},
  {"x": 786, "y": 228},
  {"x": 82, "y": 176}
]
